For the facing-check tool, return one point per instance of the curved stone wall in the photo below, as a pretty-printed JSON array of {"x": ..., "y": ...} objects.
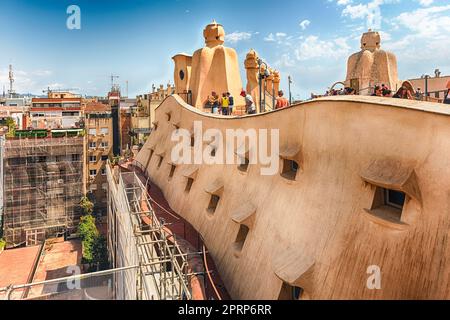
[{"x": 318, "y": 232}]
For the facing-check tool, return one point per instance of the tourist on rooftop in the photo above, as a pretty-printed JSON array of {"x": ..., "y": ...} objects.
[
  {"x": 250, "y": 107},
  {"x": 225, "y": 103},
  {"x": 349, "y": 91},
  {"x": 282, "y": 102},
  {"x": 403, "y": 93},
  {"x": 385, "y": 91},
  {"x": 213, "y": 102},
  {"x": 418, "y": 95},
  {"x": 231, "y": 103},
  {"x": 377, "y": 92}
]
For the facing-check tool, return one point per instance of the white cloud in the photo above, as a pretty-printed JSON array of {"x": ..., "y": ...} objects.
[
  {"x": 304, "y": 24},
  {"x": 42, "y": 73},
  {"x": 279, "y": 38},
  {"x": 427, "y": 22},
  {"x": 237, "y": 36},
  {"x": 343, "y": 2},
  {"x": 424, "y": 43},
  {"x": 24, "y": 81},
  {"x": 270, "y": 38},
  {"x": 426, "y": 3},
  {"x": 312, "y": 48},
  {"x": 370, "y": 11},
  {"x": 55, "y": 86}
]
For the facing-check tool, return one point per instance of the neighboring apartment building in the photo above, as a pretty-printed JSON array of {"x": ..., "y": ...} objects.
[
  {"x": 141, "y": 120},
  {"x": 143, "y": 116},
  {"x": 99, "y": 129},
  {"x": 157, "y": 97},
  {"x": 114, "y": 103},
  {"x": 17, "y": 109},
  {"x": 56, "y": 113},
  {"x": 127, "y": 107},
  {"x": 18, "y": 114},
  {"x": 43, "y": 185},
  {"x": 2, "y": 152},
  {"x": 436, "y": 86}
]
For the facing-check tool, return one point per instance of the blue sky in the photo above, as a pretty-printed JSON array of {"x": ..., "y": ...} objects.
[{"x": 135, "y": 39}]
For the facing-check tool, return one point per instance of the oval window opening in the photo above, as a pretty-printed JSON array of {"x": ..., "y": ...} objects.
[{"x": 181, "y": 74}]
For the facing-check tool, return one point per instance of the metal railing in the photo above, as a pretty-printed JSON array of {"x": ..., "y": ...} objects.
[{"x": 90, "y": 286}]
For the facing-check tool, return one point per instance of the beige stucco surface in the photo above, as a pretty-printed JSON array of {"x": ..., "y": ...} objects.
[
  {"x": 213, "y": 68},
  {"x": 315, "y": 232}
]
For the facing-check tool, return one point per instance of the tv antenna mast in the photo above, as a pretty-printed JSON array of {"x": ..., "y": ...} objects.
[
  {"x": 113, "y": 85},
  {"x": 11, "y": 82}
]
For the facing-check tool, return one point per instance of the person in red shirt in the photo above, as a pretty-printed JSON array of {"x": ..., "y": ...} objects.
[{"x": 282, "y": 102}]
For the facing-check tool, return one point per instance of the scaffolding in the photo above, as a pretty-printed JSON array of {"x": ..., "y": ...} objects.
[
  {"x": 43, "y": 185},
  {"x": 163, "y": 272},
  {"x": 2, "y": 152}
]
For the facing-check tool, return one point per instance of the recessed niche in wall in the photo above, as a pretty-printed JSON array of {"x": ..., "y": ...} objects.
[
  {"x": 169, "y": 116},
  {"x": 388, "y": 204},
  {"x": 213, "y": 204},
  {"x": 149, "y": 159},
  {"x": 192, "y": 141},
  {"x": 290, "y": 169},
  {"x": 240, "y": 238},
  {"x": 189, "y": 184},
  {"x": 289, "y": 292},
  {"x": 397, "y": 197},
  {"x": 160, "y": 161},
  {"x": 172, "y": 170}
]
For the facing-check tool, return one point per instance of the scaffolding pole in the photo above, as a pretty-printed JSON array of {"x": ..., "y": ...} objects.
[
  {"x": 43, "y": 185},
  {"x": 163, "y": 267}
]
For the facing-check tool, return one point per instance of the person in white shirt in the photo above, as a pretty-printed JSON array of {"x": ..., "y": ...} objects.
[{"x": 250, "y": 107}]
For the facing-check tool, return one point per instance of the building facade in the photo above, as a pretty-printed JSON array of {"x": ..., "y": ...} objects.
[
  {"x": 43, "y": 185},
  {"x": 56, "y": 113},
  {"x": 143, "y": 116},
  {"x": 435, "y": 87},
  {"x": 99, "y": 148}
]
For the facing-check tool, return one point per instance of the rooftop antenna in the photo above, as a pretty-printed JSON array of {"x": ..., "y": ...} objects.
[
  {"x": 4, "y": 94},
  {"x": 11, "y": 81},
  {"x": 112, "y": 81},
  {"x": 127, "y": 88}
]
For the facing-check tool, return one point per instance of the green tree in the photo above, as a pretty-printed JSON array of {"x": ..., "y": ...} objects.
[
  {"x": 114, "y": 160},
  {"x": 88, "y": 233},
  {"x": 100, "y": 252},
  {"x": 11, "y": 127},
  {"x": 2, "y": 244},
  {"x": 87, "y": 206}
]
